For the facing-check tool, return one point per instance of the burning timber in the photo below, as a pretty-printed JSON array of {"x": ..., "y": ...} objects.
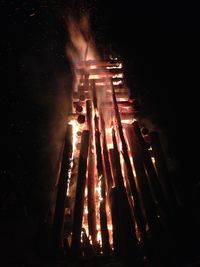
[{"x": 112, "y": 192}]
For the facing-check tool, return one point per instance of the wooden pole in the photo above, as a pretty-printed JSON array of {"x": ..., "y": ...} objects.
[
  {"x": 117, "y": 233},
  {"x": 58, "y": 224},
  {"x": 80, "y": 190},
  {"x": 142, "y": 181},
  {"x": 158, "y": 245},
  {"x": 102, "y": 210},
  {"x": 126, "y": 221},
  {"x": 131, "y": 179},
  {"x": 101, "y": 177},
  {"x": 152, "y": 175},
  {"x": 106, "y": 160},
  {"x": 91, "y": 182}
]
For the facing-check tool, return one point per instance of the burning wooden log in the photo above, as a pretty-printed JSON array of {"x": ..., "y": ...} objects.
[
  {"x": 101, "y": 177},
  {"x": 114, "y": 80},
  {"x": 80, "y": 189},
  {"x": 102, "y": 210},
  {"x": 160, "y": 236},
  {"x": 125, "y": 224},
  {"x": 152, "y": 175},
  {"x": 91, "y": 182},
  {"x": 121, "y": 95},
  {"x": 106, "y": 161},
  {"x": 121, "y": 104},
  {"x": 58, "y": 223},
  {"x": 142, "y": 182},
  {"x": 131, "y": 179},
  {"x": 99, "y": 74},
  {"x": 134, "y": 199},
  {"x": 97, "y": 63}
]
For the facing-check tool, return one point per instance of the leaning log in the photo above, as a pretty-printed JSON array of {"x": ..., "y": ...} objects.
[
  {"x": 79, "y": 198},
  {"x": 117, "y": 233},
  {"x": 58, "y": 224},
  {"x": 139, "y": 216},
  {"x": 143, "y": 185},
  {"x": 101, "y": 177},
  {"x": 102, "y": 208},
  {"x": 91, "y": 182},
  {"x": 126, "y": 223},
  {"x": 156, "y": 188},
  {"x": 106, "y": 161}
]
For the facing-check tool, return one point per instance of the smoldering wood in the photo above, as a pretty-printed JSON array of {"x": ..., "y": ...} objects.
[{"x": 80, "y": 190}]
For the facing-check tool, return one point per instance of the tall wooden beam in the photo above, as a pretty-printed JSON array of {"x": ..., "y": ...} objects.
[
  {"x": 58, "y": 224},
  {"x": 101, "y": 177},
  {"x": 106, "y": 160},
  {"x": 131, "y": 179},
  {"x": 152, "y": 175},
  {"x": 80, "y": 190},
  {"x": 125, "y": 224},
  {"x": 91, "y": 177},
  {"x": 142, "y": 182}
]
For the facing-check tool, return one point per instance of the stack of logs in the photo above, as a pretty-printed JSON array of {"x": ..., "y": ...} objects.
[{"x": 135, "y": 192}]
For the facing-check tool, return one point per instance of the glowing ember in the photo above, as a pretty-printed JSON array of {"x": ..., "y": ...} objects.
[
  {"x": 120, "y": 75},
  {"x": 117, "y": 82},
  {"x": 117, "y": 66}
]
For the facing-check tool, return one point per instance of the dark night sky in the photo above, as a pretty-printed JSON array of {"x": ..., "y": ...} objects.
[{"x": 159, "y": 44}]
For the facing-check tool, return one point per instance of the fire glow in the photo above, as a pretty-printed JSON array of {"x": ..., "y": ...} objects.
[
  {"x": 96, "y": 73},
  {"x": 105, "y": 157},
  {"x": 99, "y": 125}
]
